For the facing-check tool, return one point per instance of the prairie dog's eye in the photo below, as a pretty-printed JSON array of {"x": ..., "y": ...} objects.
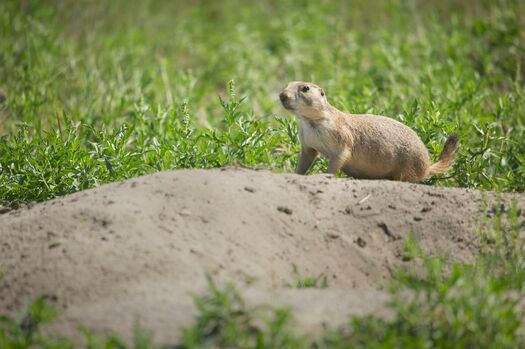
[
  {"x": 305, "y": 88},
  {"x": 322, "y": 93}
]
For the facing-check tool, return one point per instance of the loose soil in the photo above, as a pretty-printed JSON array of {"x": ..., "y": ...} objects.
[{"x": 140, "y": 249}]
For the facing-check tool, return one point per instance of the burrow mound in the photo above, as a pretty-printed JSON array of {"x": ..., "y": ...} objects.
[{"x": 140, "y": 248}]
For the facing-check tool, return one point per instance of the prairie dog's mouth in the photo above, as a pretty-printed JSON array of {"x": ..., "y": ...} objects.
[
  {"x": 287, "y": 106},
  {"x": 285, "y": 100}
]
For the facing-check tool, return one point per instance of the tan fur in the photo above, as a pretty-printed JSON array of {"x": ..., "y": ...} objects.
[
  {"x": 363, "y": 146},
  {"x": 446, "y": 159}
]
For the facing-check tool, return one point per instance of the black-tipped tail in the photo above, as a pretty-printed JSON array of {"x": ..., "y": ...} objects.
[{"x": 446, "y": 159}]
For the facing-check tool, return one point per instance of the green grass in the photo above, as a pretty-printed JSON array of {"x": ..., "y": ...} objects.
[
  {"x": 94, "y": 92},
  {"x": 444, "y": 304},
  {"x": 301, "y": 281}
]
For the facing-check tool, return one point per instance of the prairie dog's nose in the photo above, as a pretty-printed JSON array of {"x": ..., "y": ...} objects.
[{"x": 283, "y": 96}]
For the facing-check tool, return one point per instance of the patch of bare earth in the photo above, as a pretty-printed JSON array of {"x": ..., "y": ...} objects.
[{"x": 140, "y": 248}]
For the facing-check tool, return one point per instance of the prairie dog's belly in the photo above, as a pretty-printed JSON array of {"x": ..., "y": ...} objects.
[
  {"x": 367, "y": 169},
  {"x": 373, "y": 154}
]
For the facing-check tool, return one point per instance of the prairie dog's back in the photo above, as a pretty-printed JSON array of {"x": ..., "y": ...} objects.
[{"x": 382, "y": 134}]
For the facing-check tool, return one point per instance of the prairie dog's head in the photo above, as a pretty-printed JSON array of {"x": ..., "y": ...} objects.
[{"x": 304, "y": 99}]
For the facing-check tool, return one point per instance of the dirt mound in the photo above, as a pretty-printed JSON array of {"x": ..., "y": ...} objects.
[{"x": 141, "y": 247}]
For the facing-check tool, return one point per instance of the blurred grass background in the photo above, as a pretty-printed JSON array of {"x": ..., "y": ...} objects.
[{"x": 76, "y": 76}]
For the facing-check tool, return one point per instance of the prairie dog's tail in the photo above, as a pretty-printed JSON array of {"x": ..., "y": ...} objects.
[{"x": 447, "y": 156}]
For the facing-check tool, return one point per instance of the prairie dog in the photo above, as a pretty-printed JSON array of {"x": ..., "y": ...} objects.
[{"x": 362, "y": 146}]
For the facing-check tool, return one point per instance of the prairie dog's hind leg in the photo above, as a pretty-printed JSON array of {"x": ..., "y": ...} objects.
[
  {"x": 337, "y": 162},
  {"x": 307, "y": 157},
  {"x": 349, "y": 172}
]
